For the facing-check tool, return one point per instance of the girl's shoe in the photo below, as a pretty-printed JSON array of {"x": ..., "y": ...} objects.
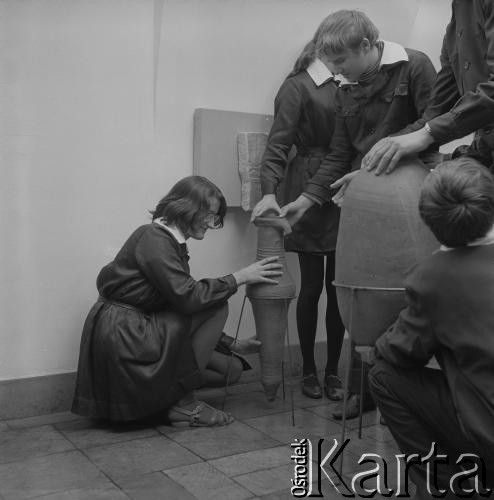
[
  {"x": 332, "y": 388},
  {"x": 311, "y": 386},
  {"x": 202, "y": 415}
]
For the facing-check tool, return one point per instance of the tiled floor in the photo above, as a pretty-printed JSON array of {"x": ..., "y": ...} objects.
[{"x": 65, "y": 457}]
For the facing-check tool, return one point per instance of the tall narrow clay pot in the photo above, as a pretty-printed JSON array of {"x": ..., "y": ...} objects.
[
  {"x": 270, "y": 303},
  {"x": 381, "y": 237}
]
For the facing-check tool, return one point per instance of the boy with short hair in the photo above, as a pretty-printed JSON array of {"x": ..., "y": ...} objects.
[
  {"x": 384, "y": 88},
  {"x": 449, "y": 315}
]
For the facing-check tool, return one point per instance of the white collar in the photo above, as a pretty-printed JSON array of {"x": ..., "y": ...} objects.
[
  {"x": 488, "y": 239},
  {"x": 392, "y": 53},
  {"x": 319, "y": 72},
  {"x": 174, "y": 230}
]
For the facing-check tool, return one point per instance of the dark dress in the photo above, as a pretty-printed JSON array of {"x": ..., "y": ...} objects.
[
  {"x": 136, "y": 357},
  {"x": 304, "y": 118}
]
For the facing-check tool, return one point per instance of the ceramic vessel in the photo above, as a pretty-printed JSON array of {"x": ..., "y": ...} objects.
[
  {"x": 381, "y": 237},
  {"x": 270, "y": 303}
]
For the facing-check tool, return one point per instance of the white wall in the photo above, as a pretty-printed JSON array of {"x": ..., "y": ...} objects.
[{"x": 97, "y": 98}]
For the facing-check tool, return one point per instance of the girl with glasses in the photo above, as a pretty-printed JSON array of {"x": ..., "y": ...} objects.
[{"x": 150, "y": 338}]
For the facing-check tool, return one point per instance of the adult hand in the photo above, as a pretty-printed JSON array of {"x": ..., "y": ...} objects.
[
  {"x": 386, "y": 153},
  {"x": 262, "y": 271},
  {"x": 294, "y": 211},
  {"x": 268, "y": 202},
  {"x": 342, "y": 183}
]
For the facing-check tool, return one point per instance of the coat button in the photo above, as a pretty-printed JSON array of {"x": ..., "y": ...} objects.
[
  {"x": 372, "y": 131},
  {"x": 466, "y": 65}
]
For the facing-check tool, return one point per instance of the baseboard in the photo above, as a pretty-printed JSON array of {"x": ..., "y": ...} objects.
[{"x": 29, "y": 397}]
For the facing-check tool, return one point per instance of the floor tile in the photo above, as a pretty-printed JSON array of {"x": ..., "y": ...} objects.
[
  {"x": 278, "y": 495},
  {"x": 49, "y": 474},
  {"x": 85, "y": 433},
  {"x": 267, "y": 481},
  {"x": 253, "y": 404},
  {"x": 139, "y": 456},
  {"x": 215, "y": 442},
  {"x": 299, "y": 399},
  {"x": 153, "y": 486},
  {"x": 252, "y": 461},
  {"x": 22, "y": 444},
  {"x": 326, "y": 411},
  {"x": 378, "y": 432},
  {"x": 208, "y": 393},
  {"x": 52, "y": 418},
  {"x": 370, "y": 445},
  {"x": 328, "y": 490},
  {"x": 107, "y": 492},
  {"x": 307, "y": 425},
  {"x": 207, "y": 483}
]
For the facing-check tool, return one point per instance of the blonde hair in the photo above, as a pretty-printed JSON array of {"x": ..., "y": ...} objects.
[{"x": 344, "y": 30}]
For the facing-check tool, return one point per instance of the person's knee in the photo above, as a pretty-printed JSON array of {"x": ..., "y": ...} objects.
[
  {"x": 310, "y": 291},
  {"x": 223, "y": 311},
  {"x": 380, "y": 377}
]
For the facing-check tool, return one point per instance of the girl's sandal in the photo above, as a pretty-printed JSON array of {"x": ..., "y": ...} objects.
[{"x": 210, "y": 417}]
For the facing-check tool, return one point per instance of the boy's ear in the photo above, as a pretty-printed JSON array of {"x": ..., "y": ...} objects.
[{"x": 365, "y": 45}]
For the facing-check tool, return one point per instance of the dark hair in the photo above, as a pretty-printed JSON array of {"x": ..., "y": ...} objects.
[
  {"x": 305, "y": 59},
  {"x": 457, "y": 201},
  {"x": 344, "y": 30},
  {"x": 187, "y": 200}
]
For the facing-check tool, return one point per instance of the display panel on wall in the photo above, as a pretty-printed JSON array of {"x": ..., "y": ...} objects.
[{"x": 218, "y": 135}]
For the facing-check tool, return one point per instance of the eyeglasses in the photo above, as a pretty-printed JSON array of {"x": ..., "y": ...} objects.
[{"x": 213, "y": 220}]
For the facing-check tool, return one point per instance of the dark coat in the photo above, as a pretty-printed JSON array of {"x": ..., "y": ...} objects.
[
  {"x": 462, "y": 99},
  {"x": 304, "y": 118},
  {"x": 136, "y": 357},
  {"x": 450, "y": 315},
  {"x": 366, "y": 113}
]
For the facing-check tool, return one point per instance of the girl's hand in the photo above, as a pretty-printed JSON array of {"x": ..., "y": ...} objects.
[
  {"x": 295, "y": 210},
  {"x": 342, "y": 183},
  {"x": 267, "y": 203},
  {"x": 262, "y": 271}
]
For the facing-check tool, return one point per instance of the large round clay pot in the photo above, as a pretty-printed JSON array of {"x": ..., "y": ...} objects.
[
  {"x": 381, "y": 237},
  {"x": 270, "y": 303}
]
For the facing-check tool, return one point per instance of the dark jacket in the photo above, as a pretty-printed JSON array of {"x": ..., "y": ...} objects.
[
  {"x": 462, "y": 99},
  {"x": 304, "y": 118},
  {"x": 366, "y": 113},
  {"x": 450, "y": 315},
  {"x": 136, "y": 356}
]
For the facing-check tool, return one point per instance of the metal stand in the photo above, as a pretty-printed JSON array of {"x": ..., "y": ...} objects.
[
  {"x": 228, "y": 370},
  {"x": 353, "y": 290}
]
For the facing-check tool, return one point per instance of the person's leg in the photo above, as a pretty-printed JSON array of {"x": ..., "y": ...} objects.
[
  {"x": 335, "y": 332},
  {"x": 206, "y": 329},
  {"x": 419, "y": 411},
  {"x": 311, "y": 285},
  {"x": 222, "y": 369}
]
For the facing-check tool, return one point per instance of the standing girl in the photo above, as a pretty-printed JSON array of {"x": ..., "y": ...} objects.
[{"x": 304, "y": 118}]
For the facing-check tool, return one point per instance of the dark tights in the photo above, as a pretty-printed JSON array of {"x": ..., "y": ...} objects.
[{"x": 313, "y": 278}]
